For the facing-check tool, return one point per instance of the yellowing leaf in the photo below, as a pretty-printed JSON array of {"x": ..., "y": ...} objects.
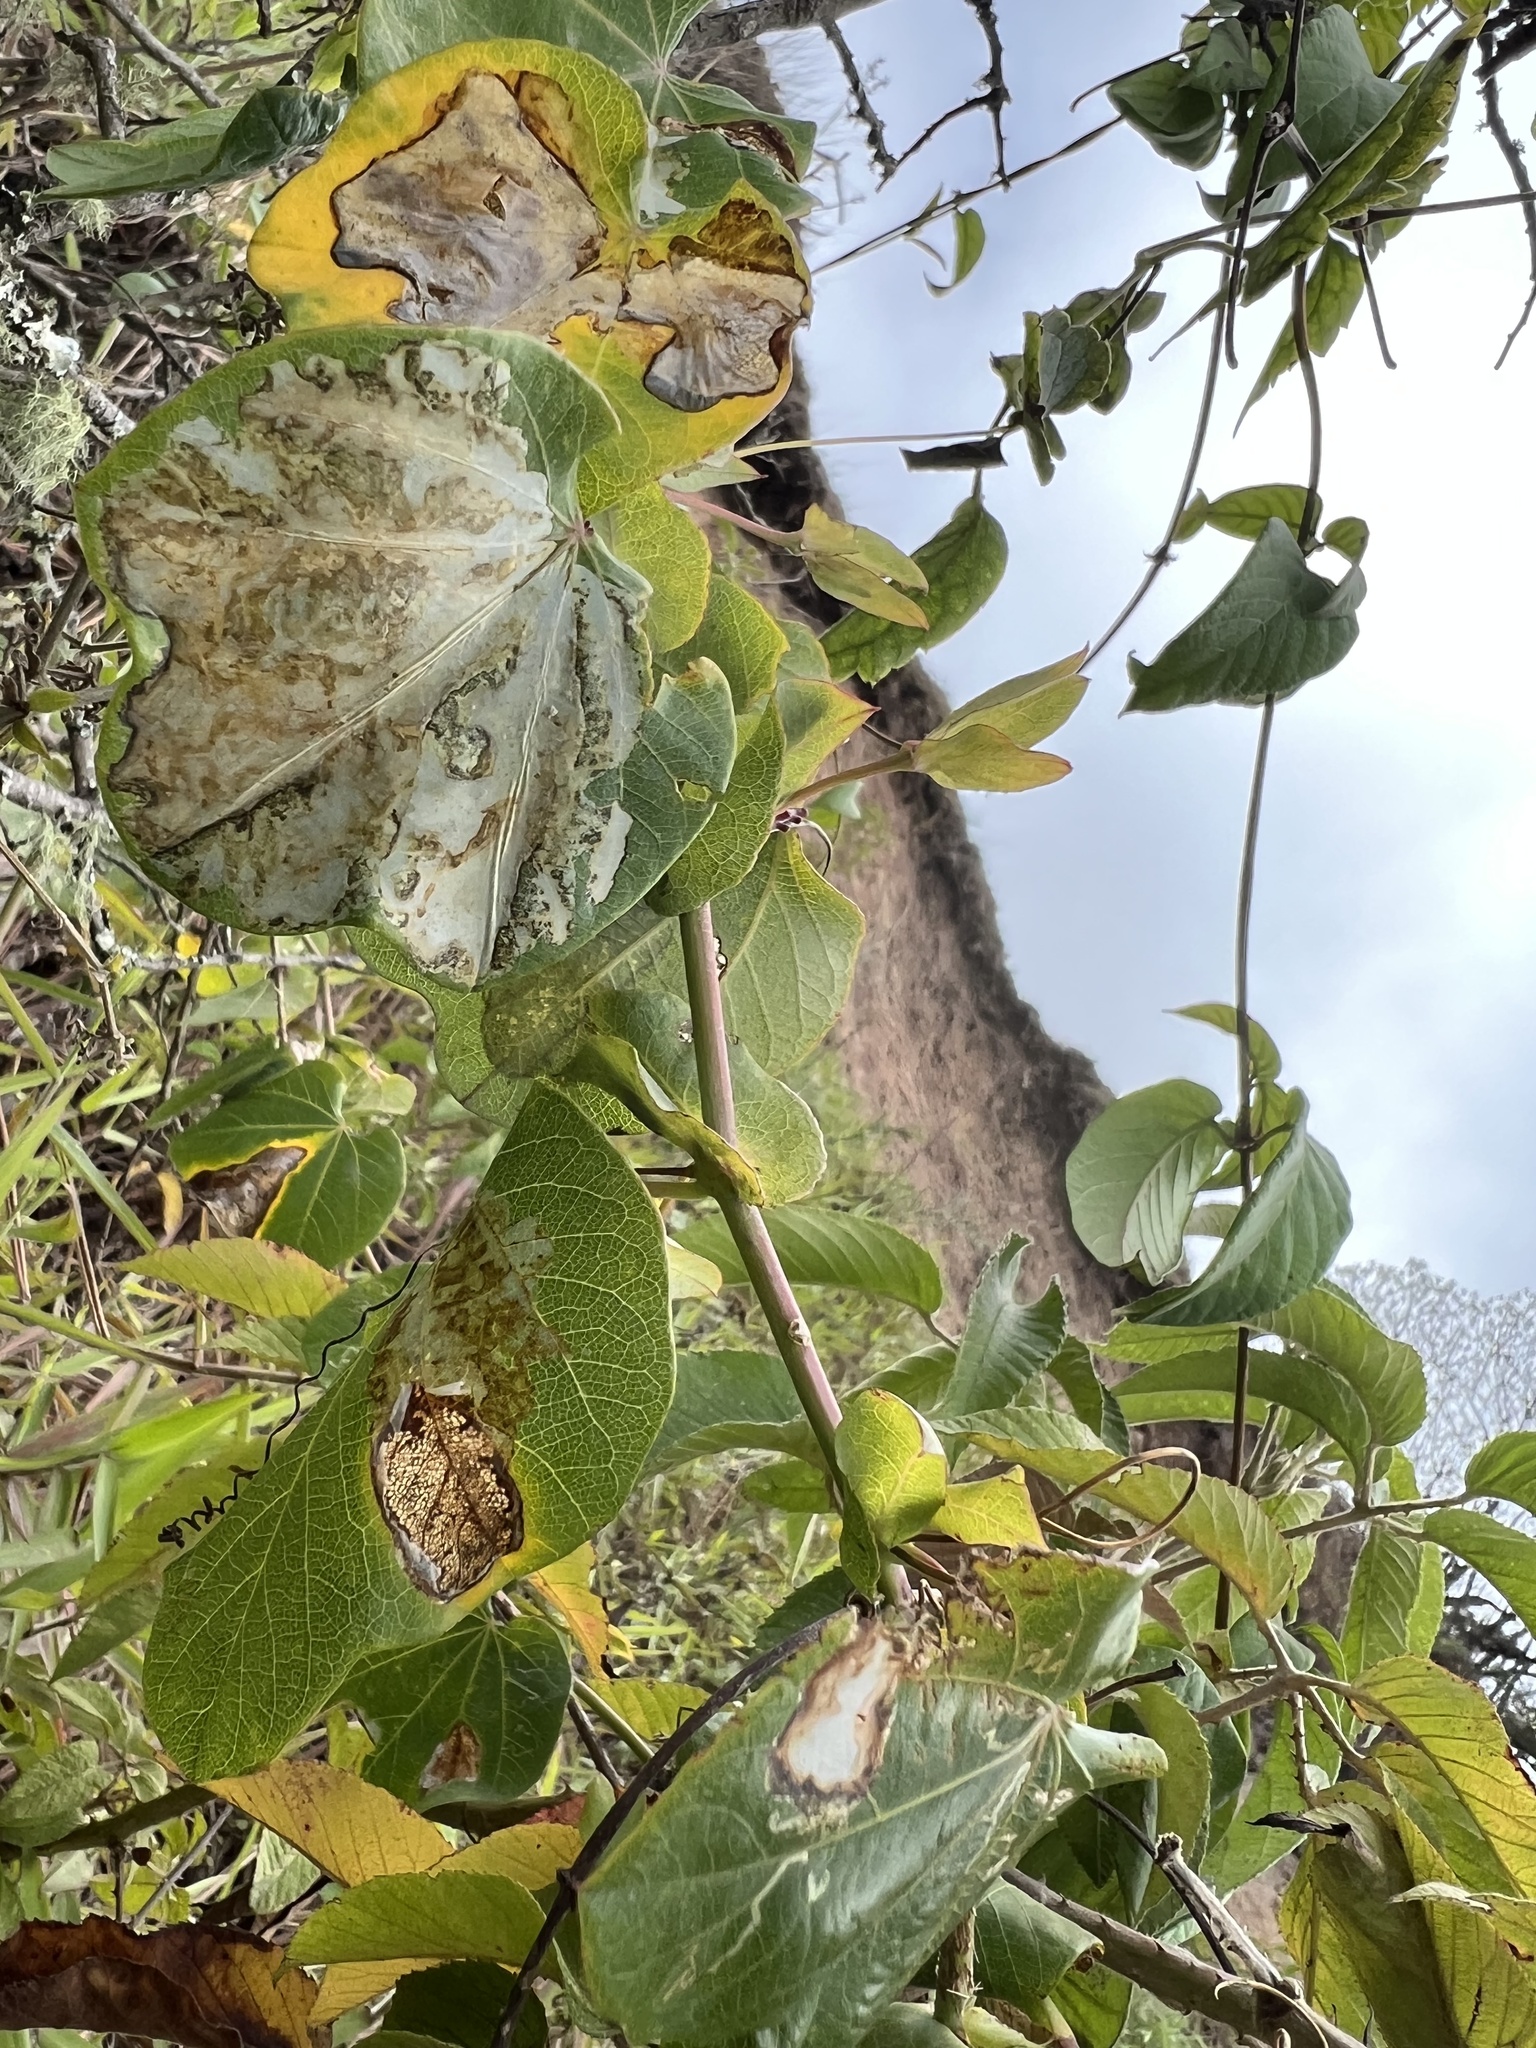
[
  {"x": 893, "y": 1460},
  {"x": 567, "y": 1586},
  {"x": 1025, "y": 709},
  {"x": 653, "y": 1707},
  {"x": 352, "y": 1830},
  {"x": 693, "y": 1277},
  {"x": 531, "y": 1855},
  {"x": 862, "y": 568},
  {"x": 262, "y": 1278},
  {"x": 1455, "y": 1724},
  {"x": 446, "y": 1914},
  {"x": 996, "y": 1513},
  {"x": 493, "y": 185},
  {"x": 982, "y": 757}
]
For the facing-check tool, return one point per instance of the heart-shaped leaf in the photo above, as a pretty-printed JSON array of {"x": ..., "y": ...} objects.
[{"x": 398, "y": 687}]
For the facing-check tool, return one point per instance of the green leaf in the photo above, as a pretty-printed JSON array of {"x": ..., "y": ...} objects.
[
  {"x": 994, "y": 1513},
  {"x": 1006, "y": 1343},
  {"x": 740, "y": 637},
  {"x": 127, "y": 1614},
  {"x": 473, "y": 1716},
  {"x": 263, "y": 1279},
  {"x": 789, "y": 939},
  {"x": 963, "y": 564},
  {"x": 790, "y": 942},
  {"x": 1227, "y": 62},
  {"x": 1335, "y": 286},
  {"x": 1133, "y": 1176},
  {"x": 1074, "y": 363},
  {"x": 1382, "y": 1596},
  {"x": 1349, "y": 537},
  {"x": 1263, "y": 1053},
  {"x": 1387, "y": 1376},
  {"x": 342, "y": 1196},
  {"x": 862, "y": 568},
  {"x": 658, "y": 539},
  {"x": 970, "y": 240},
  {"x": 890, "y": 1456},
  {"x": 1456, "y": 1726},
  {"x": 776, "y": 1132},
  {"x": 1022, "y": 1949},
  {"x": 1339, "y": 98},
  {"x": 50, "y": 1796},
  {"x": 1247, "y": 1849},
  {"x": 842, "y": 1771},
  {"x": 728, "y": 1401},
  {"x": 1274, "y": 626},
  {"x": 981, "y": 757},
  {"x": 1505, "y": 1469},
  {"x": 448, "y": 1913},
  {"x": 1026, "y": 708},
  {"x": 196, "y": 150},
  {"x": 252, "y": 1639},
  {"x": 1075, "y": 1372},
  {"x": 139, "y": 1553},
  {"x": 1184, "y": 1791},
  {"x": 904, "y": 2025},
  {"x": 1395, "y": 146},
  {"x": 1284, "y": 1240},
  {"x": 1182, "y": 119},
  {"x": 1244, "y": 514},
  {"x": 1505, "y": 1557},
  {"x": 818, "y": 717},
  {"x": 1303, "y": 1385},
  {"x": 725, "y": 851},
  {"x": 1074, "y": 1622},
  {"x": 458, "y": 2002},
  {"x": 822, "y": 1247},
  {"x": 558, "y": 824}
]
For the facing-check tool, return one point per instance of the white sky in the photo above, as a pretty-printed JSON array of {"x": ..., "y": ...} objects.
[{"x": 1395, "y": 925}]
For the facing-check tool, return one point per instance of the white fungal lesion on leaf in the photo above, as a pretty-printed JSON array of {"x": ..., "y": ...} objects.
[
  {"x": 392, "y": 680},
  {"x": 834, "y": 1742}
]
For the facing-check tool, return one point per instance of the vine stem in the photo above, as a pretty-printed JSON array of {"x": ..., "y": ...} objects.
[
  {"x": 765, "y": 1269},
  {"x": 1243, "y": 1033}
]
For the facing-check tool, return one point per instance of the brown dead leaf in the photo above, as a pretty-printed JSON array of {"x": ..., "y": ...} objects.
[
  {"x": 182, "y": 1984},
  {"x": 834, "y": 1741}
]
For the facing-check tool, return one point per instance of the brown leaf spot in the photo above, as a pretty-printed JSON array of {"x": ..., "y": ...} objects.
[
  {"x": 479, "y": 215},
  {"x": 237, "y": 1197},
  {"x": 732, "y": 299},
  {"x": 183, "y": 1984},
  {"x": 452, "y": 1506},
  {"x": 456, "y": 1758},
  {"x": 834, "y": 1741}
]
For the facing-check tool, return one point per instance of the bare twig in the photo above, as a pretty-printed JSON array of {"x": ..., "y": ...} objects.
[
  {"x": 997, "y": 95},
  {"x": 879, "y": 148},
  {"x": 162, "y": 53},
  {"x": 44, "y": 798},
  {"x": 100, "y": 54},
  {"x": 1514, "y": 156},
  {"x": 725, "y": 28},
  {"x": 1257, "y": 2011}
]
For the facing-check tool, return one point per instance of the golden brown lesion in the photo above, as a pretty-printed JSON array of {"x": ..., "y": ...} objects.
[
  {"x": 489, "y": 225},
  {"x": 444, "y": 1491},
  {"x": 833, "y": 1744},
  {"x": 483, "y": 220}
]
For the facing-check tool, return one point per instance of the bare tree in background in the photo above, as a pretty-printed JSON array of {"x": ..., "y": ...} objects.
[{"x": 1479, "y": 1354}]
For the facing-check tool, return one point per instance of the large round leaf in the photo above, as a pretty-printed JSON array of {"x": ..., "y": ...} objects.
[
  {"x": 498, "y": 185},
  {"x": 383, "y": 675}
]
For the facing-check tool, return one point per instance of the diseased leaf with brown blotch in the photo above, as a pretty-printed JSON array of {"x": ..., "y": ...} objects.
[
  {"x": 184, "y": 1984},
  {"x": 503, "y": 185},
  {"x": 383, "y": 675},
  {"x": 452, "y": 1506}
]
